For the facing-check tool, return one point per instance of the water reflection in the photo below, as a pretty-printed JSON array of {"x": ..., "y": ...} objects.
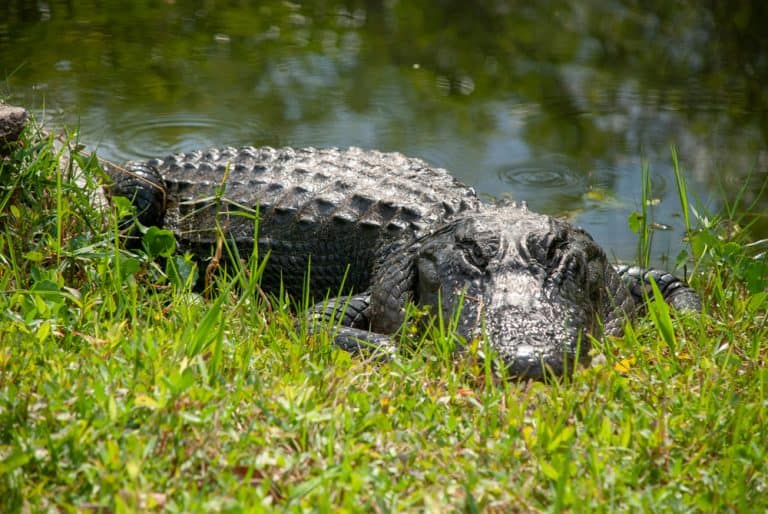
[
  {"x": 555, "y": 103},
  {"x": 164, "y": 133}
]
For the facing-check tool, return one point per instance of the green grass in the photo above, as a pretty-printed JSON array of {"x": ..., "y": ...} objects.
[{"x": 121, "y": 390}]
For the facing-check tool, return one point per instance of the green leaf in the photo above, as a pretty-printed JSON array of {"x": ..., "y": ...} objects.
[
  {"x": 659, "y": 311},
  {"x": 549, "y": 470},
  {"x": 207, "y": 329},
  {"x": 755, "y": 275},
  {"x": 757, "y": 301},
  {"x": 159, "y": 242},
  {"x": 13, "y": 461},
  {"x": 112, "y": 408},
  {"x": 682, "y": 258},
  {"x": 179, "y": 381},
  {"x": 128, "y": 266},
  {"x": 43, "y": 331},
  {"x": 34, "y": 256},
  {"x": 124, "y": 206},
  {"x": 45, "y": 286},
  {"x": 181, "y": 270},
  {"x": 563, "y": 436},
  {"x": 635, "y": 222},
  {"x": 211, "y": 325}
]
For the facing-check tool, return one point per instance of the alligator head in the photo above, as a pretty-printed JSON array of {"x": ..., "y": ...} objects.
[{"x": 532, "y": 286}]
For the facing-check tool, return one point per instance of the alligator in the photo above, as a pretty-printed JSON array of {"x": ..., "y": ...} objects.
[{"x": 378, "y": 231}]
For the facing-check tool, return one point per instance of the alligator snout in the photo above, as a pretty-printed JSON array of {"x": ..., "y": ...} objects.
[{"x": 538, "y": 339}]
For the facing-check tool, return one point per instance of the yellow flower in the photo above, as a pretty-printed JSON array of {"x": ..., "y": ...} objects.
[{"x": 624, "y": 365}]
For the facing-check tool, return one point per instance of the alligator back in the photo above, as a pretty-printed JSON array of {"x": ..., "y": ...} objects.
[{"x": 346, "y": 210}]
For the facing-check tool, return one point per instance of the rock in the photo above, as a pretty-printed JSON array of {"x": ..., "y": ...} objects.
[{"x": 12, "y": 121}]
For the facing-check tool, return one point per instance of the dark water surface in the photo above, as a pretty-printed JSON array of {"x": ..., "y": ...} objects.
[{"x": 548, "y": 102}]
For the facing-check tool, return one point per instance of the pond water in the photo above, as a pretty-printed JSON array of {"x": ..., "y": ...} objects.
[{"x": 553, "y": 103}]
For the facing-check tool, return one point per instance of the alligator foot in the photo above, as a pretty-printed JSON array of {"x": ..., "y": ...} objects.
[
  {"x": 674, "y": 290},
  {"x": 357, "y": 341},
  {"x": 348, "y": 318}
]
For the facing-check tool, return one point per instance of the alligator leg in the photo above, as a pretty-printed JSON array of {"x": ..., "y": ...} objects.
[
  {"x": 350, "y": 315},
  {"x": 675, "y": 291}
]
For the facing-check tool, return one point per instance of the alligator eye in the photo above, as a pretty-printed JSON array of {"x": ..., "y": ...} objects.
[{"x": 480, "y": 251}]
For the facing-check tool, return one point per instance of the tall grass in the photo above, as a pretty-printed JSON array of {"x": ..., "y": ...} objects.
[{"x": 123, "y": 390}]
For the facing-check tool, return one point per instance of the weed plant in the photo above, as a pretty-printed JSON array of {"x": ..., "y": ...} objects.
[{"x": 124, "y": 390}]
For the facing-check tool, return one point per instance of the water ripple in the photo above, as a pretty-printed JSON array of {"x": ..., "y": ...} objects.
[
  {"x": 161, "y": 134},
  {"x": 547, "y": 172}
]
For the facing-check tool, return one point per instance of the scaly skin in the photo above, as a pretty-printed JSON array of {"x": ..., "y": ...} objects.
[{"x": 395, "y": 230}]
